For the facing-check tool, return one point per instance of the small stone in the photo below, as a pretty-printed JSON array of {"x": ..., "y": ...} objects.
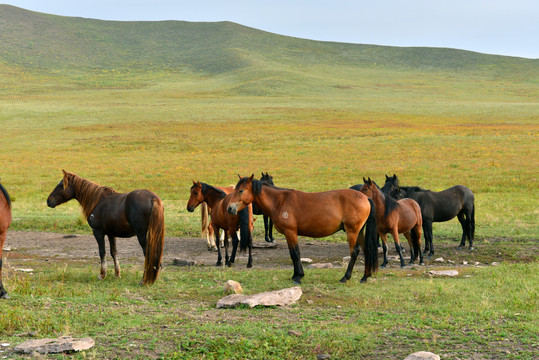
[
  {"x": 306, "y": 260},
  {"x": 181, "y": 262},
  {"x": 464, "y": 263},
  {"x": 495, "y": 263},
  {"x": 25, "y": 270},
  {"x": 323, "y": 357},
  {"x": 321, "y": 266},
  {"x": 422, "y": 355},
  {"x": 294, "y": 333},
  {"x": 444, "y": 272},
  {"x": 440, "y": 259},
  {"x": 346, "y": 259},
  {"x": 7, "y": 248},
  {"x": 450, "y": 261},
  {"x": 232, "y": 287}
]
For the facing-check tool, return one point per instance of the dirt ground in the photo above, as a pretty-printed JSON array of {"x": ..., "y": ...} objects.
[
  {"x": 57, "y": 246},
  {"x": 61, "y": 246}
]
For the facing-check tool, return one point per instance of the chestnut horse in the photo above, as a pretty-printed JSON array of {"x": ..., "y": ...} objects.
[
  {"x": 439, "y": 206},
  {"x": 314, "y": 215},
  {"x": 5, "y": 221},
  {"x": 205, "y": 222},
  {"x": 218, "y": 201},
  {"x": 139, "y": 213},
  {"x": 395, "y": 217}
]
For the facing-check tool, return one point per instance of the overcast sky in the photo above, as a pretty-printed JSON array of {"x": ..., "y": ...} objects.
[{"x": 509, "y": 27}]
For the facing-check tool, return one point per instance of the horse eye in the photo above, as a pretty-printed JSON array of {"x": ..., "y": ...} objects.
[{"x": 241, "y": 191}]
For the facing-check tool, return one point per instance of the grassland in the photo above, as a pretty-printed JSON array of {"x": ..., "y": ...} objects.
[{"x": 131, "y": 106}]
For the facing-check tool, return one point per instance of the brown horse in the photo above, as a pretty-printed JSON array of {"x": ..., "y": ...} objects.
[
  {"x": 139, "y": 213},
  {"x": 396, "y": 217},
  {"x": 218, "y": 201},
  {"x": 314, "y": 215},
  {"x": 5, "y": 221},
  {"x": 205, "y": 222}
]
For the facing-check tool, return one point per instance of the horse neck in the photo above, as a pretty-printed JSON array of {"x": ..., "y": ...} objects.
[
  {"x": 266, "y": 199},
  {"x": 212, "y": 196},
  {"x": 88, "y": 194},
  {"x": 379, "y": 201}
]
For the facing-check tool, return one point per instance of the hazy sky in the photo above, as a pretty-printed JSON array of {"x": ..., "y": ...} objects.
[{"x": 508, "y": 27}]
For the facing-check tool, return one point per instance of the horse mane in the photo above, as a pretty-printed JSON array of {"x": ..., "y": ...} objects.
[
  {"x": 4, "y": 191},
  {"x": 206, "y": 187},
  {"x": 390, "y": 203},
  {"x": 88, "y": 193},
  {"x": 409, "y": 190}
]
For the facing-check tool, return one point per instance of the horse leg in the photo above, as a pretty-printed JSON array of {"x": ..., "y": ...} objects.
[
  {"x": 3, "y": 292},
  {"x": 464, "y": 224},
  {"x": 413, "y": 256},
  {"x": 384, "y": 248},
  {"x": 114, "y": 254},
  {"x": 293, "y": 248},
  {"x": 250, "y": 261},
  {"x": 395, "y": 234},
  {"x": 235, "y": 242},
  {"x": 354, "y": 251},
  {"x": 270, "y": 230},
  {"x": 268, "y": 224},
  {"x": 219, "y": 256},
  {"x": 100, "y": 238},
  {"x": 427, "y": 231},
  {"x": 417, "y": 234}
]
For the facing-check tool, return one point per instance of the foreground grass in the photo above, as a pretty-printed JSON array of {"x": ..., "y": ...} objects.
[{"x": 486, "y": 312}]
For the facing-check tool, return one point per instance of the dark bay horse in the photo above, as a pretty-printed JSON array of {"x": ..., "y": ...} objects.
[
  {"x": 396, "y": 217},
  {"x": 268, "y": 223},
  {"x": 314, "y": 215},
  {"x": 205, "y": 221},
  {"x": 218, "y": 201},
  {"x": 123, "y": 215},
  {"x": 5, "y": 221},
  {"x": 439, "y": 206}
]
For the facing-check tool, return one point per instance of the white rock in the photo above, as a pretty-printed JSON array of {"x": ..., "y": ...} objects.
[
  {"x": 321, "y": 266},
  {"x": 50, "y": 346},
  {"x": 282, "y": 297},
  {"x": 440, "y": 259},
  {"x": 422, "y": 355},
  {"x": 306, "y": 260},
  {"x": 444, "y": 272}
]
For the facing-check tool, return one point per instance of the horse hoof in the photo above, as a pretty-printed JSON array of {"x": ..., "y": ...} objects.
[
  {"x": 382, "y": 266},
  {"x": 5, "y": 296},
  {"x": 471, "y": 248},
  {"x": 364, "y": 279},
  {"x": 219, "y": 263},
  {"x": 343, "y": 280},
  {"x": 249, "y": 266}
]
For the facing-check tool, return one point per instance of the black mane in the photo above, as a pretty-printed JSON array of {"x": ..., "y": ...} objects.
[
  {"x": 390, "y": 203},
  {"x": 409, "y": 190},
  {"x": 206, "y": 188},
  {"x": 8, "y": 199}
]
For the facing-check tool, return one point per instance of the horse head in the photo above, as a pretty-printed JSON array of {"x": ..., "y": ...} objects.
[
  {"x": 242, "y": 195},
  {"x": 196, "y": 196},
  {"x": 63, "y": 192}
]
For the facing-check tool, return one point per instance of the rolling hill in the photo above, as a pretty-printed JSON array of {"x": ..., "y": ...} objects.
[{"x": 40, "y": 41}]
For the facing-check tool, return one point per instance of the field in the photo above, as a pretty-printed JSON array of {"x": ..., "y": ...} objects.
[{"x": 316, "y": 116}]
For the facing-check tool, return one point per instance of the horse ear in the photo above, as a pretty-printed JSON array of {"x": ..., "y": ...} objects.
[
  {"x": 364, "y": 180},
  {"x": 387, "y": 177},
  {"x": 194, "y": 182},
  {"x": 251, "y": 178},
  {"x": 395, "y": 176},
  {"x": 370, "y": 181},
  {"x": 239, "y": 176}
]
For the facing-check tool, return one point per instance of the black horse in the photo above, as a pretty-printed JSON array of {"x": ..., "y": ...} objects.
[
  {"x": 268, "y": 223},
  {"x": 438, "y": 206},
  {"x": 138, "y": 212}
]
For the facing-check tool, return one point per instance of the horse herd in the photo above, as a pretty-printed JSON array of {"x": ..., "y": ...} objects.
[{"x": 364, "y": 212}]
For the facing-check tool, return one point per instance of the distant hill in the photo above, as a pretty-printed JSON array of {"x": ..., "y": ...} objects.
[{"x": 42, "y": 41}]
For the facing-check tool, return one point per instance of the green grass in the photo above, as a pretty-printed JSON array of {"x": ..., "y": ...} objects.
[
  {"x": 489, "y": 311},
  {"x": 113, "y": 105}
]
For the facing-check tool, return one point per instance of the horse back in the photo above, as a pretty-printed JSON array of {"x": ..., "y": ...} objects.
[{"x": 446, "y": 204}]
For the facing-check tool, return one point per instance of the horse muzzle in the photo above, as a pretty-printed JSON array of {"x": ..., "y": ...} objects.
[
  {"x": 232, "y": 208},
  {"x": 51, "y": 203},
  {"x": 190, "y": 208}
]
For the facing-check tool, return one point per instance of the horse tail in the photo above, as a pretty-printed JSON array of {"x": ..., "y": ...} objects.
[
  {"x": 204, "y": 219},
  {"x": 472, "y": 221},
  {"x": 245, "y": 231},
  {"x": 371, "y": 242},
  {"x": 154, "y": 242}
]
